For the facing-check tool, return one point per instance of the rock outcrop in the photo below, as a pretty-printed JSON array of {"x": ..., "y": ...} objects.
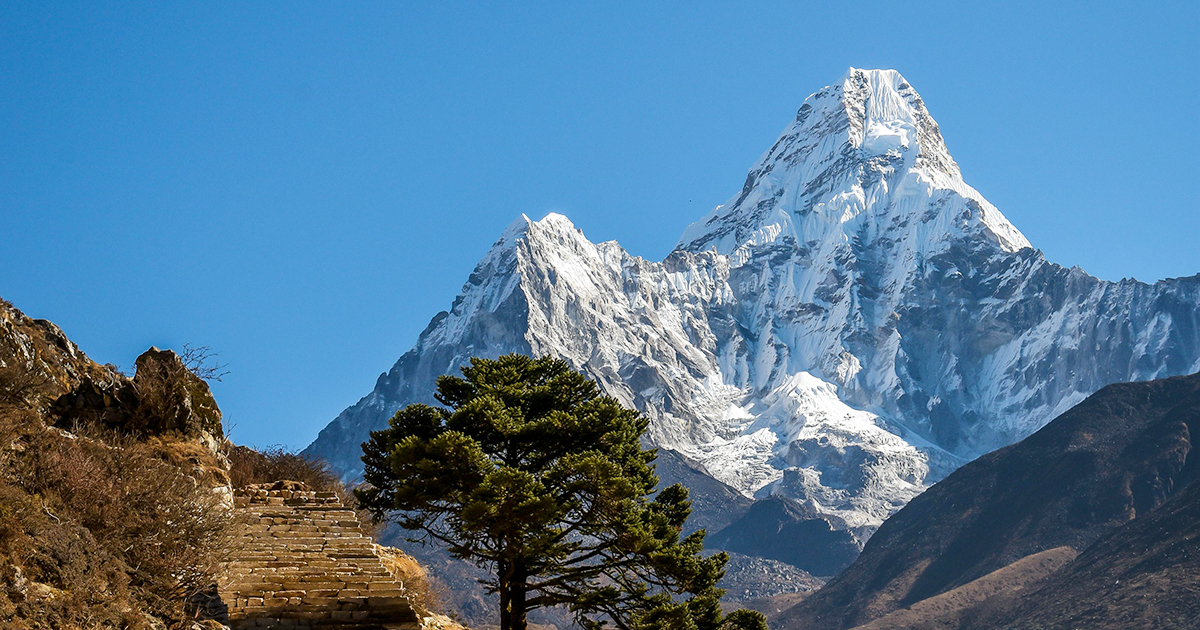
[
  {"x": 304, "y": 562},
  {"x": 180, "y": 400},
  {"x": 782, "y": 529},
  {"x": 38, "y": 363},
  {"x": 164, "y": 396}
]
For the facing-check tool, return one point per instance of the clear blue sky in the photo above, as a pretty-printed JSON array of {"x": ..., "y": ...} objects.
[{"x": 302, "y": 186}]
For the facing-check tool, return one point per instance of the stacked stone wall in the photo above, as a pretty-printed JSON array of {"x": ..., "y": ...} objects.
[{"x": 303, "y": 561}]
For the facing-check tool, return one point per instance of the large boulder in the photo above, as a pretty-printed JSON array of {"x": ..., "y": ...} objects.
[{"x": 172, "y": 397}]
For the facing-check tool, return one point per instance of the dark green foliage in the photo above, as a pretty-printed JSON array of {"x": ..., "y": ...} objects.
[{"x": 529, "y": 470}]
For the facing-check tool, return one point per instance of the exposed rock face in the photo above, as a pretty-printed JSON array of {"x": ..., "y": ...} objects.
[
  {"x": 182, "y": 400},
  {"x": 854, "y": 324},
  {"x": 45, "y": 373},
  {"x": 38, "y": 363},
  {"x": 1125, "y": 454},
  {"x": 46, "y": 370},
  {"x": 164, "y": 396},
  {"x": 113, "y": 404}
]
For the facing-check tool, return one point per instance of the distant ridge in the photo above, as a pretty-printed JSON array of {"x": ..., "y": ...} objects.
[{"x": 1116, "y": 477}]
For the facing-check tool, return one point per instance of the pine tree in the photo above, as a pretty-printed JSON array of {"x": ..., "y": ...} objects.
[{"x": 529, "y": 470}]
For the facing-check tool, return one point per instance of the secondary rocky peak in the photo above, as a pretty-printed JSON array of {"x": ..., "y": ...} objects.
[
  {"x": 554, "y": 233},
  {"x": 553, "y": 222},
  {"x": 522, "y": 232}
]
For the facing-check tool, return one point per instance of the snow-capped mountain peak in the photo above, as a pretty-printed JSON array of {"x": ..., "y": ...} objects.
[
  {"x": 852, "y": 325},
  {"x": 862, "y": 159},
  {"x": 886, "y": 113}
]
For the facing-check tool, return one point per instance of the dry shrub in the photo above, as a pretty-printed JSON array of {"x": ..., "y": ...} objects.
[
  {"x": 424, "y": 597},
  {"x": 20, "y": 383},
  {"x": 250, "y": 466},
  {"x": 108, "y": 508},
  {"x": 53, "y": 573},
  {"x": 98, "y": 529},
  {"x": 198, "y": 460}
]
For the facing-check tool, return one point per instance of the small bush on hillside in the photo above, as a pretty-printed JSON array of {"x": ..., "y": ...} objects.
[
  {"x": 250, "y": 466},
  {"x": 19, "y": 384},
  {"x": 53, "y": 573}
]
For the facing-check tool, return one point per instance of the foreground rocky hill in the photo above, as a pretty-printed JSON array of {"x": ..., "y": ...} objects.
[
  {"x": 117, "y": 508},
  {"x": 1116, "y": 479},
  {"x": 854, "y": 324},
  {"x": 113, "y": 492}
]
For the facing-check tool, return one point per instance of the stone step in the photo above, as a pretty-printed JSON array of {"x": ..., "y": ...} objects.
[
  {"x": 292, "y": 539},
  {"x": 304, "y": 562}
]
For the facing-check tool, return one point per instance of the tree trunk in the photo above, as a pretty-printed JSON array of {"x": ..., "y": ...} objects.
[
  {"x": 503, "y": 582},
  {"x": 520, "y": 578}
]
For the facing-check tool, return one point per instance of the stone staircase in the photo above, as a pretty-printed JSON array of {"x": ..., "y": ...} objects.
[{"x": 303, "y": 562}]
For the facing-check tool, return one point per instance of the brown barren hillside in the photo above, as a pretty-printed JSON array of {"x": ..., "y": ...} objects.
[
  {"x": 947, "y": 611},
  {"x": 111, "y": 504},
  {"x": 1098, "y": 470}
]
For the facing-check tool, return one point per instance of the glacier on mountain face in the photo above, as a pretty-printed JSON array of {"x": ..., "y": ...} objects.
[{"x": 850, "y": 327}]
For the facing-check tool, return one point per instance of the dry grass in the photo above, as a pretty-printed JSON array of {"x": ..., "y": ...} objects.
[
  {"x": 412, "y": 575},
  {"x": 20, "y": 384},
  {"x": 198, "y": 460},
  {"x": 96, "y": 530},
  {"x": 99, "y": 529},
  {"x": 946, "y": 610},
  {"x": 250, "y": 466}
]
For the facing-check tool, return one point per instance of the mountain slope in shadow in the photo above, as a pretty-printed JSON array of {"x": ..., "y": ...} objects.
[
  {"x": 788, "y": 531},
  {"x": 1106, "y": 470}
]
